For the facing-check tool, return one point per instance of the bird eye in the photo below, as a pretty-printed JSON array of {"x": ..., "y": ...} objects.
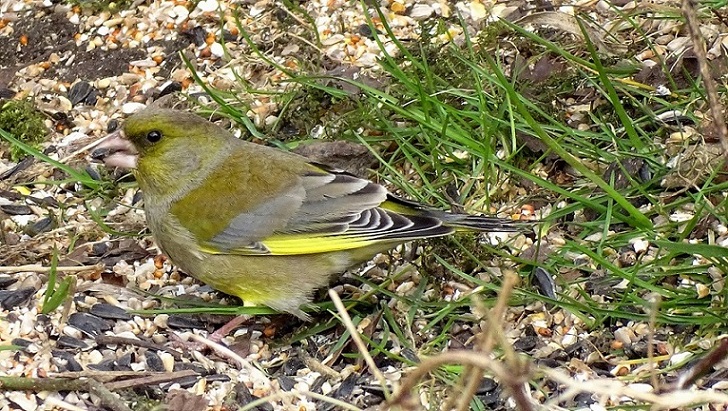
[{"x": 154, "y": 136}]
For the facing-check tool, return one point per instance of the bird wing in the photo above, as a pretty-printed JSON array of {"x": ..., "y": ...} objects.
[{"x": 334, "y": 211}]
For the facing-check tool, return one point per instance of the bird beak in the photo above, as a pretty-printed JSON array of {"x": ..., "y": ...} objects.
[{"x": 116, "y": 151}]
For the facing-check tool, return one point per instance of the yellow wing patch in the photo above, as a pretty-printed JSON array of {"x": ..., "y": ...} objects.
[
  {"x": 306, "y": 244},
  {"x": 291, "y": 244}
]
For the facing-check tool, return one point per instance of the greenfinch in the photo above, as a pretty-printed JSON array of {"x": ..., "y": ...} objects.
[{"x": 260, "y": 223}]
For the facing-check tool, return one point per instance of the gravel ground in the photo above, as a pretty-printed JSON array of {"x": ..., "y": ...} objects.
[{"x": 87, "y": 71}]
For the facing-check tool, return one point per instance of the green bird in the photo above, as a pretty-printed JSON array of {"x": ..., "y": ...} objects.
[{"x": 259, "y": 223}]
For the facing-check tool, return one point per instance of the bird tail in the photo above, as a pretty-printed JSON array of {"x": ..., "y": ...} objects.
[
  {"x": 479, "y": 223},
  {"x": 456, "y": 221}
]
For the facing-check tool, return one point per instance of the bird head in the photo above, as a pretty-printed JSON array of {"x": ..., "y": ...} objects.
[{"x": 165, "y": 147}]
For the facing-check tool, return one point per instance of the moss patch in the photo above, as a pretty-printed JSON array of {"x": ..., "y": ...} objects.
[{"x": 21, "y": 119}]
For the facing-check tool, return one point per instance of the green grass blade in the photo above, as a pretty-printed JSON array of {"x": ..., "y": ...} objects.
[{"x": 78, "y": 176}]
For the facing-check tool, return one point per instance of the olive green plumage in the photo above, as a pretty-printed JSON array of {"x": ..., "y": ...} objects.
[{"x": 260, "y": 223}]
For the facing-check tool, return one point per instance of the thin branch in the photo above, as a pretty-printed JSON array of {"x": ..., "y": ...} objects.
[
  {"x": 38, "y": 268},
  {"x": 156, "y": 378},
  {"x": 701, "y": 367},
  {"x": 100, "y": 375},
  {"x": 716, "y": 109},
  {"x": 491, "y": 330},
  {"x": 42, "y": 384},
  {"x": 107, "y": 398},
  {"x": 230, "y": 354},
  {"x": 346, "y": 319},
  {"x": 472, "y": 358},
  {"x": 613, "y": 388},
  {"x": 655, "y": 306}
]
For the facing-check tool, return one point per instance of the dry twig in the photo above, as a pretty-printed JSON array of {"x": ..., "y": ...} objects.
[
  {"x": 716, "y": 109},
  {"x": 491, "y": 331},
  {"x": 702, "y": 367},
  {"x": 38, "y": 268},
  {"x": 230, "y": 354},
  {"x": 155, "y": 378},
  {"x": 346, "y": 319}
]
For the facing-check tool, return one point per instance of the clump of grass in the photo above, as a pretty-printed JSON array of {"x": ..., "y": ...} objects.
[
  {"x": 21, "y": 119},
  {"x": 58, "y": 291}
]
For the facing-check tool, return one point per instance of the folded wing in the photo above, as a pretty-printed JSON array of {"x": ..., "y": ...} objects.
[{"x": 334, "y": 211}]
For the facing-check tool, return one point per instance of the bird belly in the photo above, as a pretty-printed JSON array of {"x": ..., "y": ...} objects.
[{"x": 282, "y": 282}]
